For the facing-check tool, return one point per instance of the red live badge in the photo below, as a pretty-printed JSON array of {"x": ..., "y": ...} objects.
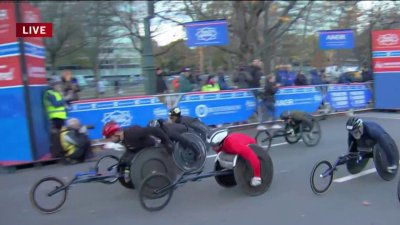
[{"x": 34, "y": 30}]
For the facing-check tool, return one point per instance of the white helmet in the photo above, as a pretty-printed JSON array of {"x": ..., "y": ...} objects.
[{"x": 217, "y": 137}]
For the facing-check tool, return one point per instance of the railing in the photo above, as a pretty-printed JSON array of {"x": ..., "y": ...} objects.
[{"x": 223, "y": 107}]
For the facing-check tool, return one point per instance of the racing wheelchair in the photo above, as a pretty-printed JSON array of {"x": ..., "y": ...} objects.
[
  {"x": 292, "y": 132},
  {"x": 322, "y": 173},
  {"x": 156, "y": 189}
]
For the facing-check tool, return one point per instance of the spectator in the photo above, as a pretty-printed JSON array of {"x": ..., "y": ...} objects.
[
  {"x": 291, "y": 75},
  {"x": 221, "y": 80},
  {"x": 255, "y": 74},
  {"x": 184, "y": 81},
  {"x": 211, "y": 84},
  {"x": 300, "y": 79},
  {"x": 345, "y": 78},
  {"x": 101, "y": 87},
  {"x": 242, "y": 77},
  {"x": 54, "y": 104},
  {"x": 366, "y": 74},
  {"x": 70, "y": 87},
  {"x": 268, "y": 97},
  {"x": 281, "y": 75},
  {"x": 316, "y": 78},
  {"x": 117, "y": 88},
  {"x": 161, "y": 85}
]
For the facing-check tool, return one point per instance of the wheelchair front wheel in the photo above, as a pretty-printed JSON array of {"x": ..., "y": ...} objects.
[
  {"x": 264, "y": 139},
  {"x": 48, "y": 195},
  {"x": 320, "y": 180},
  {"x": 105, "y": 165},
  {"x": 150, "y": 198}
]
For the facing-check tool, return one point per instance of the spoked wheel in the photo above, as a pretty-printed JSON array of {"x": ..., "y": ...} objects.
[
  {"x": 152, "y": 197},
  {"x": 311, "y": 137},
  {"x": 48, "y": 195},
  {"x": 149, "y": 161},
  {"x": 292, "y": 134},
  {"x": 106, "y": 165},
  {"x": 321, "y": 178},
  {"x": 264, "y": 139}
]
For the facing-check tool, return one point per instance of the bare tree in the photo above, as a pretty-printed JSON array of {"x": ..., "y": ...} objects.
[{"x": 67, "y": 30}]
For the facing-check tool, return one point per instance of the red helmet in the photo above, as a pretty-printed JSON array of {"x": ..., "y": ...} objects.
[{"x": 110, "y": 128}]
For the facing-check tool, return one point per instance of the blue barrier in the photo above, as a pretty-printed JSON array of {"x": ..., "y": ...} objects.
[
  {"x": 219, "y": 107},
  {"x": 344, "y": 97},
  {"x": 305, "y": 98},
  {"x": 215, "y": 107},
  {"x": 125, "y": 111}
]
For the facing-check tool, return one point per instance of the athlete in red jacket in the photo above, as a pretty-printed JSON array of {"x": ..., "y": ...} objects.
[{"x": 237, "y": 143}]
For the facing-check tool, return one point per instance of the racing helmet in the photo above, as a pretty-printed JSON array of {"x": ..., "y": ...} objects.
[
  {"x": 217, "y": 137},
  {"x": 355, "y": 126},
  {"x": 354, "y": 123},
  {"x": 110, "y": 128},
  {"x": 176, "y": 111}
]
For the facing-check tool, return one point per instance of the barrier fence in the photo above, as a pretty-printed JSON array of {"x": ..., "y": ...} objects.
[{"x": 223, "y": 107}]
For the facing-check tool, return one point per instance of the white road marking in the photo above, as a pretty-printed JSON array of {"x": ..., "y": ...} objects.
[
  {"x": 273, "y": 145},
  {"x": 354, "y": 176}
]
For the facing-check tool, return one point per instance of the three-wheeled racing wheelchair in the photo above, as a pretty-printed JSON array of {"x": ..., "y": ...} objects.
[
  {"x": 292, "y": 131},
  {"x": 157, "y": 174},
  {"x": 322, "y": 173}
]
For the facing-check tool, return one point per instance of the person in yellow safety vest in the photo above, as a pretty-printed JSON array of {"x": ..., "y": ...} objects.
[
  {"x": 55, "y": 105},
  {"x": 211, "y": 85}
]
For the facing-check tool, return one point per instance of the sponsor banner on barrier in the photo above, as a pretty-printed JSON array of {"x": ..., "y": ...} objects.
[
  {"x": 126, "y": 112},
  {"x": 344, "y": 97},
  {"x": 307, "y": 99},
  {"x": 219, "y": 107}
]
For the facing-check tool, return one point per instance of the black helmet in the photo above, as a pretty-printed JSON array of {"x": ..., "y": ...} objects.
[
  {"x": 285, "y": 115},
  {"x": 175, "y": 112},
  {"x": 354, "y": 123}
]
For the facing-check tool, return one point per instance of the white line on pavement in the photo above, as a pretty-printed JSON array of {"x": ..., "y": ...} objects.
[
  {"x": 354, "y": 176},
  {"x": 273, "y": 145}
]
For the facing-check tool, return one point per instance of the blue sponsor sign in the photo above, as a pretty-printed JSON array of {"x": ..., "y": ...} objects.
[
  {"x": 336, "y": 39},
  {"x": 207, "y": 33},
  {"x": 220, "y": 107},
  {"x": 126, "y": 112},
  {"x": 307, "y": 99},
  {"x": 344, "y": 97}
]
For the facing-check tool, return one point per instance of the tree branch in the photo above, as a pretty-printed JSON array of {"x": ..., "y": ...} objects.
[
  {"x": 285, "y": 13},
  {"x": 167, "y": 49}
]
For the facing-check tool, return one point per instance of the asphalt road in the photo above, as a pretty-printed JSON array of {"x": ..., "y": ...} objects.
[{"x": 288, "y": 201}]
